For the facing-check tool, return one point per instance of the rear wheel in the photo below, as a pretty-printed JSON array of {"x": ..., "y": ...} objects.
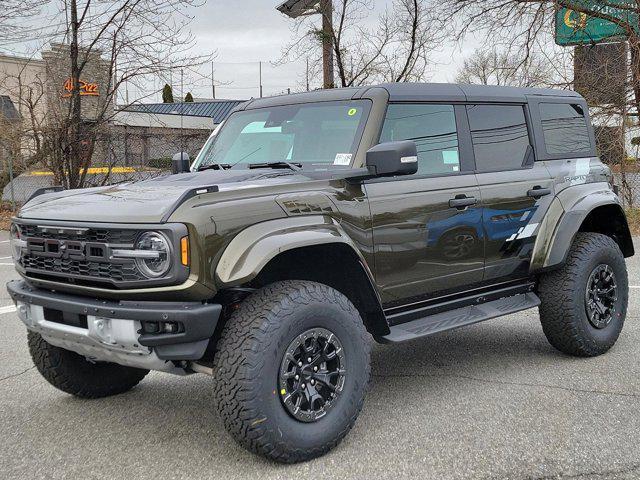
[
  {"x": 584, "y": 303},
  {"x": 291, "y": 369},
  {"x": 74, "y": 374}
]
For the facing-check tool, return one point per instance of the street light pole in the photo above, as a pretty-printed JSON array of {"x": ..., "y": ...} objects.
[
  {"x": 301, "y": 8},
  {"x": 326, "y": 10}
]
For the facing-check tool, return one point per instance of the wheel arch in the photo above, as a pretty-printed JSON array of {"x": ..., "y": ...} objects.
[
  {"x": 598, "y": 212},
  {"x": 314, "y": 248}
]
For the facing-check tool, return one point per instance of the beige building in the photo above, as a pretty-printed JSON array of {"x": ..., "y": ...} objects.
[
  {"x": 135, "y": 135},
  {"x": 39, "y": 88}
]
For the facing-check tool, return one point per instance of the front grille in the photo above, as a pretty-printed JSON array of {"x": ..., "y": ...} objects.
[
  {"x": 102, "y": 235},
  {"x": 97, "y": 270},
  {"x": 79, "y": 271},
  {"x": 83, "y": 255}
]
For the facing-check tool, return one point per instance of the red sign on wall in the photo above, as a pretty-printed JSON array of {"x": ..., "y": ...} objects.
[{"x": 86, "y": 88}]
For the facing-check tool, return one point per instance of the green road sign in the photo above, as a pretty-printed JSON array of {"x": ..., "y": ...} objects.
[{"x": 576, "y": 28}]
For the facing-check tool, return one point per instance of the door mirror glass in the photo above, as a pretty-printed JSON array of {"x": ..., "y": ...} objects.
[{"x": 393, "y": 158}]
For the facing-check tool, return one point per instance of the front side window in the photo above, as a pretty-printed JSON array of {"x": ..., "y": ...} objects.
[
  {"x": 432, "y": 128},
  {"x": 500, "y": 137},
  {"x": 322, "y": 134},
  {"x": 564, "y": 127}
]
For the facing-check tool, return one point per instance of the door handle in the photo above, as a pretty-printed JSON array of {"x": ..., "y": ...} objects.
[
  {"x": 462, "y": 201},
  {"x": 537, "y": 192}
]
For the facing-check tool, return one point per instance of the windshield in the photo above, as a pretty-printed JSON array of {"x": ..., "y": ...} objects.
[{"x": 318, "y": 135}]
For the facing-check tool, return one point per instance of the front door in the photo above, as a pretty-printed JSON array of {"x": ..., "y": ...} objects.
[{"x": 427, "y": 227}]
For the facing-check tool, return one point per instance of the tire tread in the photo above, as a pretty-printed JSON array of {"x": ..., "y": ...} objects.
[{"x": 249, "y": 332}]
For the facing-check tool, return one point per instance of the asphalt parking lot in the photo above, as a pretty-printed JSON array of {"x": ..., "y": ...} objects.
[{"x": 489, "y": 401}]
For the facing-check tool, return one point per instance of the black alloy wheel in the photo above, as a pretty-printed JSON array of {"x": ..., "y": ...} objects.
[
  {"x": 601, "y": 295},
  {"x": 312, "y": 374}
]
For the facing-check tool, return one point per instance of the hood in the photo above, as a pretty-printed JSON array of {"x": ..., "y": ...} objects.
[{"x": 147, "y": 201}]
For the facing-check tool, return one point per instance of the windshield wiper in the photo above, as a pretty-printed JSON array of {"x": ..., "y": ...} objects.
[
  {"x": 214, "y": 166},
  {"x": 293, "y": 166}
]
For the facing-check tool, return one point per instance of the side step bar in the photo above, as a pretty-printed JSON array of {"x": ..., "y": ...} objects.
[{"x": 460, "y": 317}]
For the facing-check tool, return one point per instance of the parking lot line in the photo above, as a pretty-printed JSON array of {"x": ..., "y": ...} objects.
[{"x": 7, "y": 309}]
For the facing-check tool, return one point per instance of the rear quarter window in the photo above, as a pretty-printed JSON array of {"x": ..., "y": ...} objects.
[{"x": 564, "y": 127}]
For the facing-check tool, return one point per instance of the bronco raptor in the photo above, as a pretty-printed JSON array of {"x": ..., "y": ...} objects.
[{"x": 310, "y": 223}]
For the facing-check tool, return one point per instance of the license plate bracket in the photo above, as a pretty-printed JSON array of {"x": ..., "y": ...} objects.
[{"x": 65, "y": 318}]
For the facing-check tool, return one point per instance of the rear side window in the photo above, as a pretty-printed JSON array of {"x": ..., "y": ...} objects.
[
  {"x": 564, "y": 127},
  {"x": 432, "y": 128},
  {"x": 500, "y": 136}
]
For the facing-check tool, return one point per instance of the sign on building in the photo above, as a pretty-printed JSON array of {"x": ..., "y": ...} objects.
[
  {"x": 600, "y": 73},
  {"x": 86, "y": 89},
  {"x": 577, "y": 28}
]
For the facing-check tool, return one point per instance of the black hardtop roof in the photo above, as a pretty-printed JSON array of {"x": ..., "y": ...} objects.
[{"x": 405, "y": 92}]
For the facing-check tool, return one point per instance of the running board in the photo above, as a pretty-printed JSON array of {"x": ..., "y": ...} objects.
[{"x": 460, "y": 317}]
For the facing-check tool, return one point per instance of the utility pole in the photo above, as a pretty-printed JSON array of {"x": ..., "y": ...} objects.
[
  {"x": 326, "y": 10},
  {"x": 301, "y": 8},
  {"x": 213, "y": 82},
  {"x": 307, "y": 74},
  {"x": 181, "y": 114},
  {"x": 260, "y": 76}
]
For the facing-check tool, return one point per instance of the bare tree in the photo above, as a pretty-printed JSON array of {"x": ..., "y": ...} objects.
[
  {"x": 124, "y": 42},
  {"x": 495, "y": 67},
  {"x": 395, "y": 48},
  {"x": 527, "y": 26},
  {"x": 12, "y": 16}
]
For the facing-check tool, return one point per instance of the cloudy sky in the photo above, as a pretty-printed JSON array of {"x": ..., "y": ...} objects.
[
  {"x": 258, "y": 32},
  {"x": 241, "y": 33}
]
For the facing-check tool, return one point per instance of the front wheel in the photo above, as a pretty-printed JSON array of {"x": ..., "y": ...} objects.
[
  {"x": 74, "y": 374},
  {"x": 584, "y": 303},
  {"x": 291, "y": 370}
]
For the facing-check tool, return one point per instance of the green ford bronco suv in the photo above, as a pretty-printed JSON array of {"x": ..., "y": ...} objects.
[{"x": 313, "y": 222}]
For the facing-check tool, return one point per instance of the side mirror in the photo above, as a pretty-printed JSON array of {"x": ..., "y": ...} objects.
[
  {"x": 393, "y": 158},
  {"x": 180, "y": 162}
]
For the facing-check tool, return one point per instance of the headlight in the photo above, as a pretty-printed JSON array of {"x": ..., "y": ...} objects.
[
  {"x": 16, "y": 242},
  {"x": 159, "y": 261}
]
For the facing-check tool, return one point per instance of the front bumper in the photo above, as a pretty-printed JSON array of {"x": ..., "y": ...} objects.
[{"x": 118, "y": 331}]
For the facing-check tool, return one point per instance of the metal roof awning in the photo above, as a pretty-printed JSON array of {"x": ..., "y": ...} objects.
[{"x": 218, "y": 110}]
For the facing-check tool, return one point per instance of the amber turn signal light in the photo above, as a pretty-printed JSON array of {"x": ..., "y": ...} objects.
[{"x": 184, "y": 251}]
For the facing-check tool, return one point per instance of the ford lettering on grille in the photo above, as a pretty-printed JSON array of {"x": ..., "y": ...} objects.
[{"x": 68, "y": 249}]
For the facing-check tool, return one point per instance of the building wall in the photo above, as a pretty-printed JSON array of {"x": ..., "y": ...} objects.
[{"x": 128, "y": 138}]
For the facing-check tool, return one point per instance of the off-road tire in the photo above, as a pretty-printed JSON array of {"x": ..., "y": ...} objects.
[
  {"x": 248, "y": 358},
  {"x": 74, "y": 374},
  {"x": 562, "y": 292}
]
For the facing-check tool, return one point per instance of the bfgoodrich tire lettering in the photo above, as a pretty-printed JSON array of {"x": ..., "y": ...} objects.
[
  {"x": 563, "y": 311},
  {"x": 247, "y": 366},
  {"x": 73, "y": 374}
]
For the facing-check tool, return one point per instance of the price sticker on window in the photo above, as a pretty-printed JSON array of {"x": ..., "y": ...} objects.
[{"x": 343, "y": 159}]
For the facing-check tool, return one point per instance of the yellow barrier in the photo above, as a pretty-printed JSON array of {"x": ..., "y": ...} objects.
[{"x": 90, "y": 171}]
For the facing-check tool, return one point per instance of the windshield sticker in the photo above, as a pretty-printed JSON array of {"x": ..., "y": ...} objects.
[
  {"x": 352, "y": 112},
  {"x": 450, "y": 157},
  {"x": 343, "y": 159}
]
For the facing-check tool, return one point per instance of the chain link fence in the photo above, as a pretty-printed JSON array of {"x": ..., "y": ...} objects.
[{"x": 124, "y": 154}]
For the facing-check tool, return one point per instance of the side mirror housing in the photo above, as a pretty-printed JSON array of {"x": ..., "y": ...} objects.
[
  {"x": 180, "y": 162},
  {"x": 393, "y": 158}
]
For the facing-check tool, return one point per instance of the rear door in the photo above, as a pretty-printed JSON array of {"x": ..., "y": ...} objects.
[
  {"x": 427, "y": 227},
  {"x": 516, "y": 190}
]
